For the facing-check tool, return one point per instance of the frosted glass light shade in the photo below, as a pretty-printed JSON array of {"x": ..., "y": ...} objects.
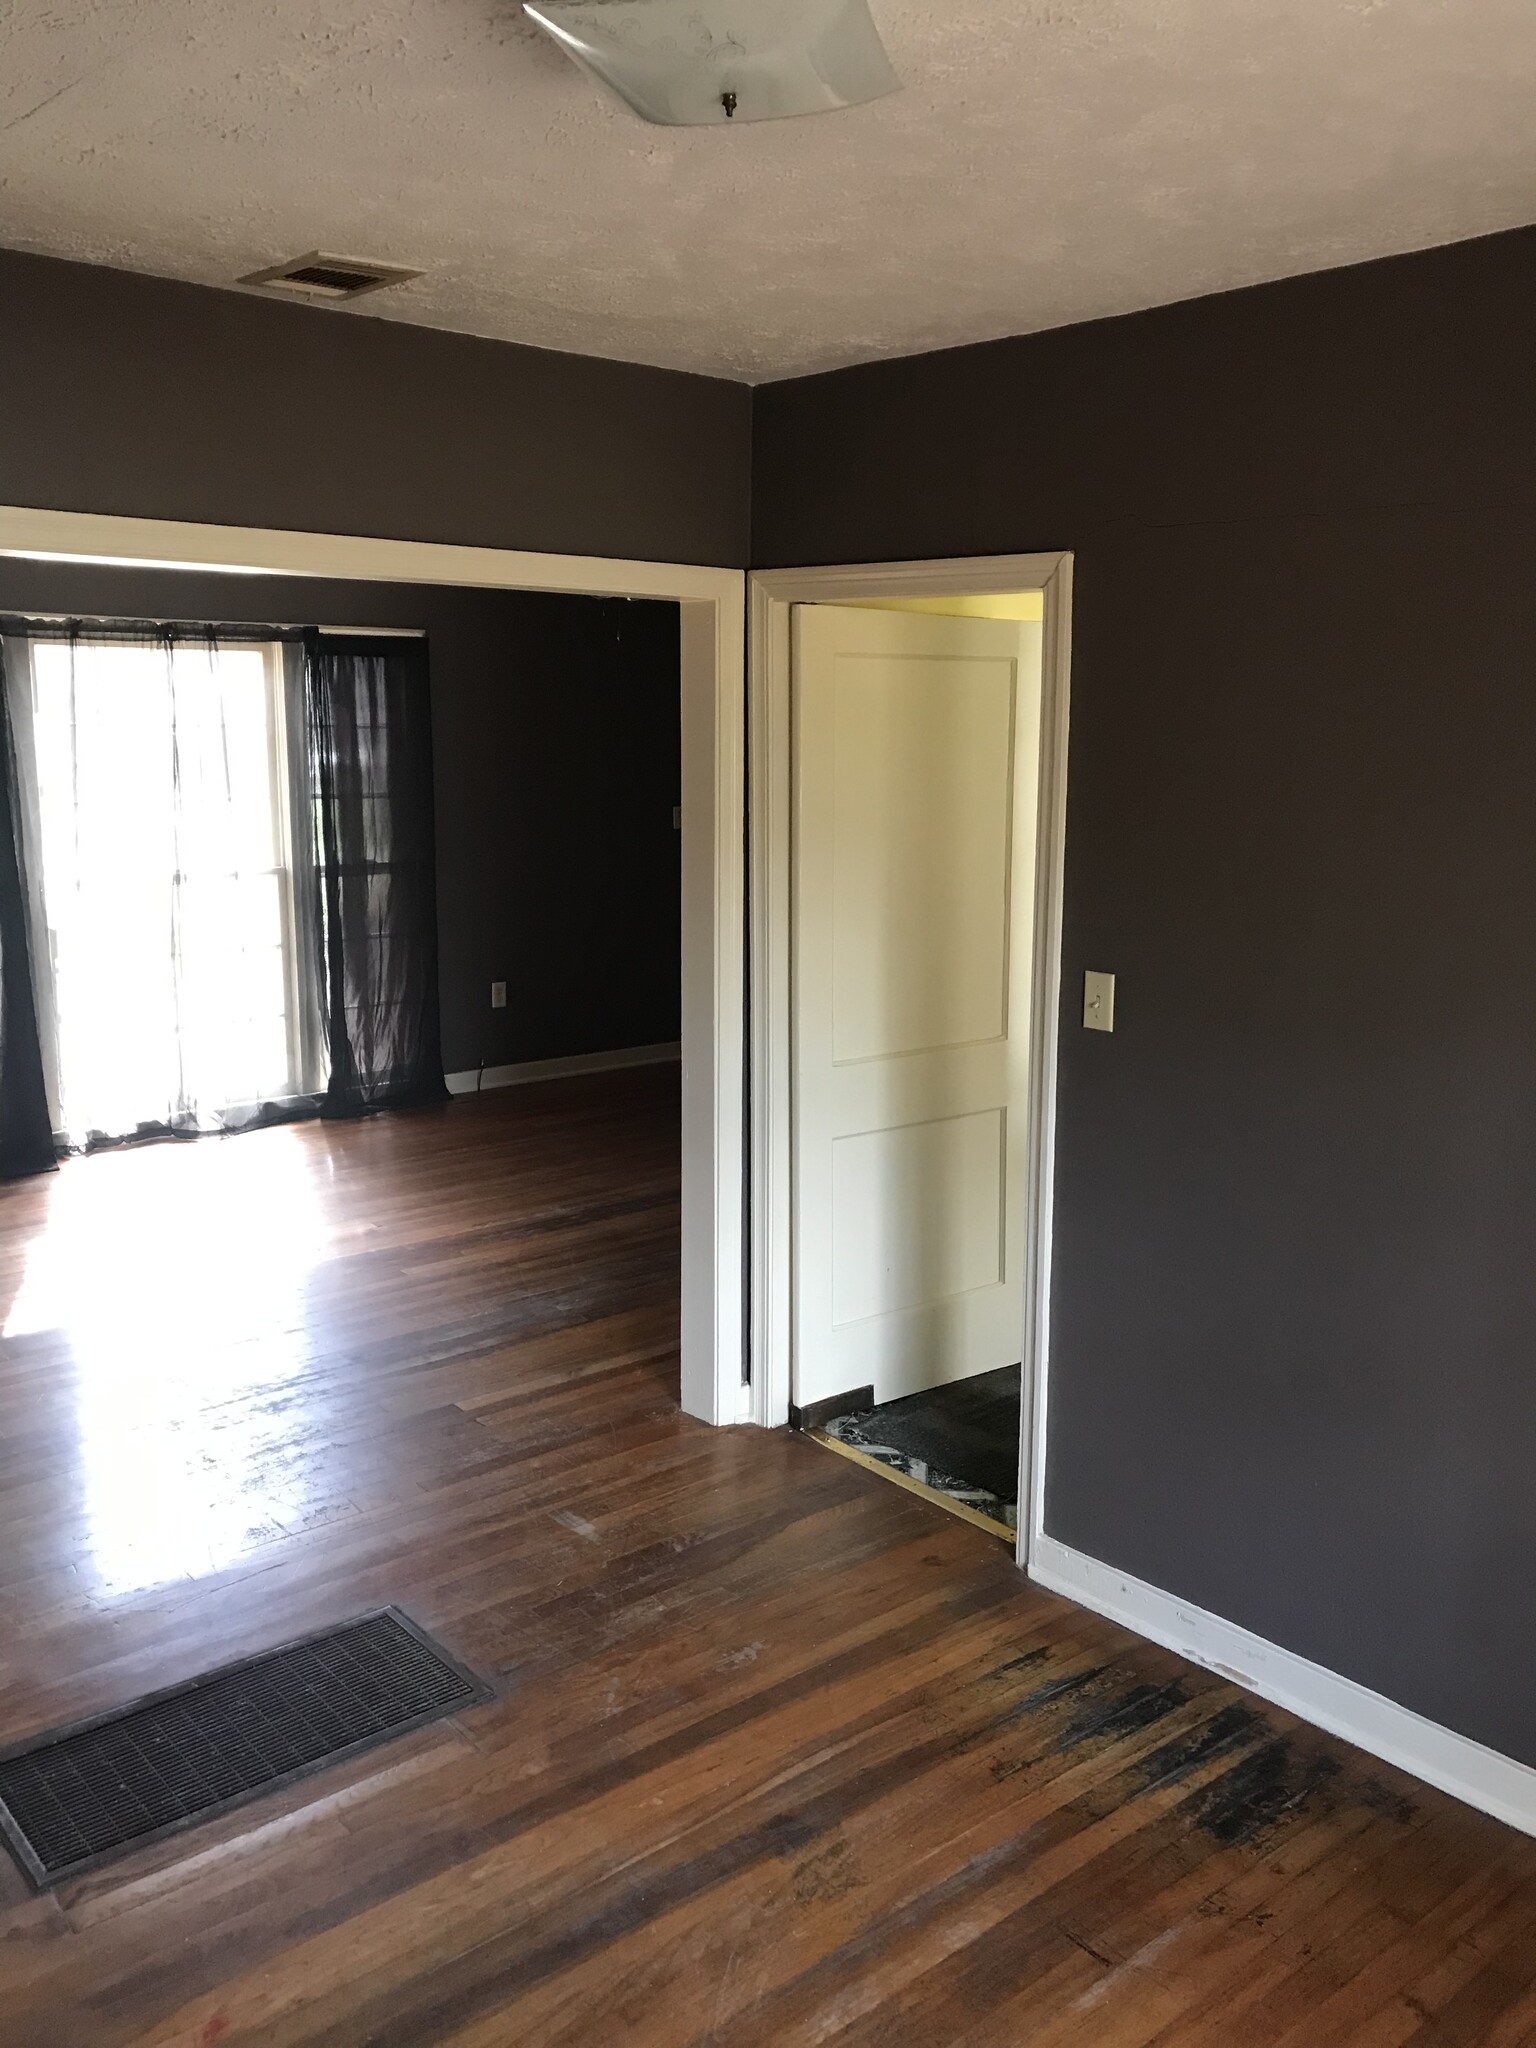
[{"x": 690, "y": 63}]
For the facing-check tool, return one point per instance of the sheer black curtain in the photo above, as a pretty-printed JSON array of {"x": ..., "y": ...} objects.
[
  {"x": 369, "y": 761},
  {"x": 26, "y": 1127}
]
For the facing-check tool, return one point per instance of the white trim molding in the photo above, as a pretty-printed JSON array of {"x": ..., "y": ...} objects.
[
  {"x": 711, "y": 606},
  {"x": 475, "y": 1080},
  {"x": 1495, "y": 1784},
  {"x": 772, "y": 593},
  {"x": 110, "y": 538},
  {"x": 712, "y": 1331}
]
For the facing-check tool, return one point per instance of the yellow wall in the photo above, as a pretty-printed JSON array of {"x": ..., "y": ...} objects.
[{"x": 1013, "y": 604}]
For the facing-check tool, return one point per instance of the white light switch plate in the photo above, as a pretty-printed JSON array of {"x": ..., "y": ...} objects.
[
  {"x": 1098, "y": 1001},
  {"x": 498, "y": 995}
]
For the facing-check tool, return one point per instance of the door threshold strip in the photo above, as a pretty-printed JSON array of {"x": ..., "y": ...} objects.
[{"x": 946, "y": 1501}]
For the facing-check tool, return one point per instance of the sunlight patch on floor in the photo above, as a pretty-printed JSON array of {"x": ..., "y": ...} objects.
[{"x": 177, "y": 1275}]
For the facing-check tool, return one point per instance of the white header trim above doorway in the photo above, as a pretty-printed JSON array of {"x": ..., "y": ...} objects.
[
  {"x": 109, "y": 537},
  {"x": 714, "y": 798},
  {"x": 772, "y": 593}
]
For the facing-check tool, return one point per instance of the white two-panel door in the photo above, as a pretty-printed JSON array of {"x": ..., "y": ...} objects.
[{"x": 915, "y": 796}]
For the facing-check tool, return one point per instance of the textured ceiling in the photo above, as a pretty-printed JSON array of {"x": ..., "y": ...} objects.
[{"x": 1047, "y": 161}]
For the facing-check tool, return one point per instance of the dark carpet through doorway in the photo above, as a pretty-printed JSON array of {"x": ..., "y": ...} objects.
[{"x": 961, "y": 1440}]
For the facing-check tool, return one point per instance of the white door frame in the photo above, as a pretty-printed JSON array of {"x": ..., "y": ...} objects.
[
  {"x": 769, "y": 738},
  {"x": 713, "y": 803}
]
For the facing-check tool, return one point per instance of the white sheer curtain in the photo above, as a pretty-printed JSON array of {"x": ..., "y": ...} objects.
[{"x": 158, "y": 801}]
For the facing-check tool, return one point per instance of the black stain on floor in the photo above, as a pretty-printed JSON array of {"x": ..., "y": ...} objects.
[
  {"x": 1127, "y": 1713},
  {"x": 1184, "y": 1754},
  {"x": 1259, "y": 1792},
  {"x": 1027, "y": 1662},
  {"x": 1263, "y": 1788},
  {"x": 1074, "y": 1684}
]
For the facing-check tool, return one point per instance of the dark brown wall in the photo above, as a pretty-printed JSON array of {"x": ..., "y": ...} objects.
[
  {"x": 555, "y": 754},
  {"x": 137, "y": 395},
  {"x": 1294, "y": 1321}
]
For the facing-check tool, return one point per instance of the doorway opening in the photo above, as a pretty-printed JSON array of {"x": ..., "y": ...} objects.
[
  {"x": 956, "y": 1441},
  {"x": 710, "y": 845},
  {"x": 910, "y": 956},
  {"x": 193, "y": 1301}
]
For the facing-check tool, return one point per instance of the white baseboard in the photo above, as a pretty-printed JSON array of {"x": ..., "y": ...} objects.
[
  {"x": 472, "y": 1080},
  {"x": 1482, "y": 1777}
]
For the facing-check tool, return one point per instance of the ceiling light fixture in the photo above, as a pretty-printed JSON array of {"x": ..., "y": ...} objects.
[{"x": 696, "y": 63}]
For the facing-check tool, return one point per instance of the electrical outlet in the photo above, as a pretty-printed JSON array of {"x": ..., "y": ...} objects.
[{"x": 498, "y": 995}]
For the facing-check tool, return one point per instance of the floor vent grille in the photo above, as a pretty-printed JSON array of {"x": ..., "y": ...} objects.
[{"x": 77, "y": 1796}]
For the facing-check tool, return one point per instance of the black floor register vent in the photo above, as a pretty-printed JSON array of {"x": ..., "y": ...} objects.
[{"x": 79, "y": 1795}]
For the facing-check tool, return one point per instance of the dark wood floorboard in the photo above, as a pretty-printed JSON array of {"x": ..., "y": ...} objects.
[{"x": 779, "y": 1753}]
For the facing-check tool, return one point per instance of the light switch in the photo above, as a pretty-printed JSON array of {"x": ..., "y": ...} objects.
[
  {"x": 498, "y": 995},
  {"x": 1098, "y": 1001}
]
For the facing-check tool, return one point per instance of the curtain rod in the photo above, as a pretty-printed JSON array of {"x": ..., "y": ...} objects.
[
  {"x": 244, "y": 625},
  {"x": 373, "y": 632}
]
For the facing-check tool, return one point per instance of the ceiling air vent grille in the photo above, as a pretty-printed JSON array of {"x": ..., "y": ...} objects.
[{"x": 318, "y": 276}]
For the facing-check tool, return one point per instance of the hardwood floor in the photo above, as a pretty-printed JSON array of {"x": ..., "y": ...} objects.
[{"x": 779, "y": 1755}]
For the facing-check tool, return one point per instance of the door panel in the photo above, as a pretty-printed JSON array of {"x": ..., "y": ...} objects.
[
  {"x": 917, "y": 1213},
  {"x": 915, "y": 792},
  {"x": 921, "y": 763}
]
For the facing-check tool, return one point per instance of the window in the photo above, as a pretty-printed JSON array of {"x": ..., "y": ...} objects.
[{"x": 167, "y": 889}]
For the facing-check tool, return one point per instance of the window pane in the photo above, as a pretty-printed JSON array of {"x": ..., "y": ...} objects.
[{"x": 168, "y": 911}]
